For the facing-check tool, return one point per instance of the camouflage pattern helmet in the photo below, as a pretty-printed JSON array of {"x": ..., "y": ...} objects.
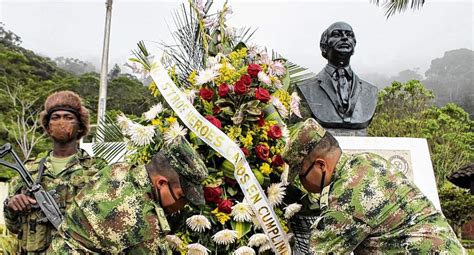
[
  {"x": 190, "y": 167},
  {"x": 304, "y": 136}
]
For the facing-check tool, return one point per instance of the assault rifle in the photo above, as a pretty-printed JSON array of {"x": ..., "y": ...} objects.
[{"x": 44, "y": 199}]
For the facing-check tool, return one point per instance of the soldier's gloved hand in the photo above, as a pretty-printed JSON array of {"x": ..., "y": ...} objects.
[{"x": 20, "y": 203}]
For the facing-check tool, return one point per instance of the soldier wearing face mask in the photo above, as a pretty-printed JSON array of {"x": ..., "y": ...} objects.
[{"x": 64, "y": 171}]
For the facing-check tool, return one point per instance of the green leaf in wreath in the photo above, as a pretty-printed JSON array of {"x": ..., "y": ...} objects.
[{"x": 242, "y": 228}]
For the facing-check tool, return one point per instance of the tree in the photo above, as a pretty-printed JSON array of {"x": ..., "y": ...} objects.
[
  {"x": 407, "y": 75},
  {"x": 393, "y": 6},
  {"x": 25, "y": 128},
  {"x": 74, "y": 65},
  {"x": 8, "y": 37},
  {"x": 451, "y": 78},
  {"x": 115, "y": 72},
  {"x": 407, "y": 110},
  {"x": 457, "y": 206}
]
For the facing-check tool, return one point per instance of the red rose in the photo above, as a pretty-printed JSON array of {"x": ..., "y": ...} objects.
[
  {"x": 225, "y": 206},
  {"x": 212, "y": 195},
  {"x": 215, "y": 121},
  {"x": 206, "y": 94},
  {"x": 261, "y": 120},
  {"x": 254, "y": 69},
  {"x": 247, "y": 80},
  {"x": 245, "y": 151},
  {"x": 240, "y": 88},
  {"x": 262, "y": 151},
  {"x": 274, "y": 132},
  {"x": 229, "y": 181},
  {"x": 277, "y": 161},
  {"x": 223, "y": 90},
  {"x": 262, "y": 94}
]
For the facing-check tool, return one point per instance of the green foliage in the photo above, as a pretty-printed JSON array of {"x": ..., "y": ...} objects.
[
  {"x": 457, "y": 206},
  {"x": 8, "y": 243},
  {"x": 32, "y": 78},
  {"x": 407, "y": 110},
  {"x": 451, "y": 76}
]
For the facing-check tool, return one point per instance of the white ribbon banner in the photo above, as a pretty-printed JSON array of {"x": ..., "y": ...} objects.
[{"x": 220, "y": 142}]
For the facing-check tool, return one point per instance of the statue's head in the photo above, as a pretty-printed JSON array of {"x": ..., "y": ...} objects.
[{"x": 338, "y": 39}]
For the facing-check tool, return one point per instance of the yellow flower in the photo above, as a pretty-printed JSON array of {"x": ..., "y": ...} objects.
[
  {"x": 284, "y": 97},
  {"x": 171, "y": 119},
  {"x": 265, "y": 169},
  {"x": 221, "y": 217},
  {"x": 227, "y": 74},
  {"x": 233, "y": 132},
  {"x": 248, "y": 140},
  {"x": 192, "y": 77}
]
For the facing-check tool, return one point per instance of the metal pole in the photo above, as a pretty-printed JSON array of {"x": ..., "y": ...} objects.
[{"x": 104, "y": 67}]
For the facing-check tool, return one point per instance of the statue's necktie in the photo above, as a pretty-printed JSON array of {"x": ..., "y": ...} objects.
[{"x": 343, "y": 87}]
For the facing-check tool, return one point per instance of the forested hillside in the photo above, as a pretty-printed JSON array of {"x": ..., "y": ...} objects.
[{"x": 26, "y": 79}]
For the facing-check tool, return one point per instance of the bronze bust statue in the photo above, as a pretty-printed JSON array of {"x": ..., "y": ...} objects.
[{"x": 336, "y": 96}]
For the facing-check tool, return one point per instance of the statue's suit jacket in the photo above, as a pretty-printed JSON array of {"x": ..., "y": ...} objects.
[{"x": 321, "y": 101}]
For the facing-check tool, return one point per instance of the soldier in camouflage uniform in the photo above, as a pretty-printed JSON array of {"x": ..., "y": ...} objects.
[
  {"x": 367, "y": 206},
  {"x": 65, "y": 170},
  {"x": 121, "y": 210}
]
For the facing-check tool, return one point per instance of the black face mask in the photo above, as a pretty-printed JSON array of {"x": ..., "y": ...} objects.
[
  {"x": 175, "y": 198},
  {"x": 302, "y": 176}
]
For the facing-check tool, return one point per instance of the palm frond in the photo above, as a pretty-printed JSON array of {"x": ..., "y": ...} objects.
[
  {"x": 393, "y": 6},
  {"x": 297, "y": 73},
  {"x": 112, "y": 147}
]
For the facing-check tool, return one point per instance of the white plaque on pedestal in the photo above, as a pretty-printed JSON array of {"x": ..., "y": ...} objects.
[{"x": 409, "y": 155}]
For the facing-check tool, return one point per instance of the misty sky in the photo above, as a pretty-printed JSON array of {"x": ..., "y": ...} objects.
[{"x": 293, "y": 28}]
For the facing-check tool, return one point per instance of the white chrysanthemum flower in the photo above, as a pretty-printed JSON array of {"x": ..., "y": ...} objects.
[
  {"x": 256, "y": 223},
  {"x": 263, "y": 77},
  {"x": 277, "y": 68},
  {"x": 141, "y": 135},
  {"x": 196, "y": 249},
  {"x": 292, "y": 209},
  {"x": 265, "y": 247},
  {"x": 175, "y": 130},
  {"x": 295, "y": 104},
  {"x": 276, "y": 193},
  {"x": 257, "y": 240},
  {"x": 242, "y": 212},
  {"x": 206, "y": 76},
  {"x": 284, "y": 174},
  {"x": 225, "y": 237},
  {"x": 174, "y": 242},
  {"x": 280, "y": 107},
  {"x": 244, "y": 250},
  {"x": 153, "y": 112},
  {"x": 198, "y": 223},
  {"x": 124, "y": 123},
  {"x": 214, "y": 63}
]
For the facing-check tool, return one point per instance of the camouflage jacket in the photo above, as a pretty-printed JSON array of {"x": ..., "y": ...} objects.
[
  {"x": 33, "y": 234},
  {"x": 114, "y": 213},
  {"x": 371, "y": 208}
]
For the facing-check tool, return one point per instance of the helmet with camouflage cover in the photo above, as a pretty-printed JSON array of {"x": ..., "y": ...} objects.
[
  {"x": 304, "y": 136},
  {"x": 191, "y": 169}
]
